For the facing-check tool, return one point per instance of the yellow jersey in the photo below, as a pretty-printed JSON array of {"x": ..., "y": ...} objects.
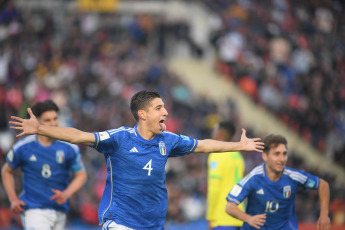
[{"x": 224, "y": 171}]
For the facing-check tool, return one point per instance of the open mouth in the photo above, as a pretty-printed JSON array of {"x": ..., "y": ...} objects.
[{"x": 162, "y": 125}]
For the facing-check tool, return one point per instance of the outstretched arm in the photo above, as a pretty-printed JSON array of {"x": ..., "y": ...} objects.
[
  {"x": 256, "y": 221},
  {"x": 324, "y": 222},
  {"x": 32, "y": 126},
  {"x": 245, "y": 144}
]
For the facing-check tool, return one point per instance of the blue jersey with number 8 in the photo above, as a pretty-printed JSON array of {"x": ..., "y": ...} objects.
[{"x": 44, "y": 168}]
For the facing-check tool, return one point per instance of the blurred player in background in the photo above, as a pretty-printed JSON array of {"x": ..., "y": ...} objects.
[
  {"x": 135, "y": 196},
  {"x": 224, "y": 171},
  {"x": 271, "y": 188},
  {"x": 46, "y": 165}
]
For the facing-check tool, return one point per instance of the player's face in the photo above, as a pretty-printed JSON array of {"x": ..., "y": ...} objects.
[
  {"x": 220, "y": 134},
  {"x": 276, "y": 158},
  {"x": 156, "y": 114},
  {"x": 49, "y": 118}
]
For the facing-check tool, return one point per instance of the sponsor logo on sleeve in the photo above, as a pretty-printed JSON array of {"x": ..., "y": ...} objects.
[
  {"x": 310, "y": 183},
  {"x": 10, "y": 155},
  {"x": 236, "y": 190},
  {"x": 184, "y": 138},
  {"x": 103, "y": 136}
]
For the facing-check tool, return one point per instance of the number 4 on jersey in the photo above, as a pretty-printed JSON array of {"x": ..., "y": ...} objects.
[{"x": 148, "y": 167}]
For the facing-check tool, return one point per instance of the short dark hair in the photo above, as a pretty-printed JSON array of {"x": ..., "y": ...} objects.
[
  {"x": 228, "y": 126},
  {"x": 140, "y": 100},
  {"x": 40, "y": 107},
  {"x": 273, "y": 140}
]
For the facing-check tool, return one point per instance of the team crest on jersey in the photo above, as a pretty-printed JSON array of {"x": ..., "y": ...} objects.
[
  {"x": 162, "y": 148},
  {"x": 287, "y": 191},
  {"x": 60, "y": 156}
]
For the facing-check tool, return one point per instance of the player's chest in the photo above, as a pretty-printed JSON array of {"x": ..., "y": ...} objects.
[
  {"x": 274, "y": 197},
  {"x": 35, "y": 157},
  {"x": 148, "y": 160}
]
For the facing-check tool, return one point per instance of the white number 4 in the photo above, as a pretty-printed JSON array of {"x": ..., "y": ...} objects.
[{"x": 148, "y": 167}]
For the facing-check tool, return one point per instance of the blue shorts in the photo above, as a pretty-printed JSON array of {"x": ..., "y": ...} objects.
[{"x": 226, "y": 228}]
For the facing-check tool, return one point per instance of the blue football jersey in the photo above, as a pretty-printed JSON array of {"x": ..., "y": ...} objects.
[
  {"x": 135, "y": 194},
  {"x": 276, "y": 199},
  {"x": 44, "y": 168}
]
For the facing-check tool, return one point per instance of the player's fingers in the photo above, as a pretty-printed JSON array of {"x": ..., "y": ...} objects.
[
  {"x": 243, "y": 132},
  {"x": 15, "y": 123},
  {"x": 258, "y": 150},
  {"x": 54, "y": 197},
  {"x": 260, "y": 145},
  {"x": 261, "y": 223},
  {"x": 20, "y": 209},
  {"x": 30, "y": 113},
  {"x": 16, "y": 128},
  {"x": 17, "y": 118},
  {"x": 257, "y": 139},
  {"x": 256, "y": 226},
  {"x": 22, "y": 202},
  {"x": 20, "y": 134}
]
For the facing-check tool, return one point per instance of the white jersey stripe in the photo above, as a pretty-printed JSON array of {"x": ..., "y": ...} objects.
[
  {"x": 296, "y": 176},
  {"x": 24, "y": 141},
  {"x": 255, "y": 171}
]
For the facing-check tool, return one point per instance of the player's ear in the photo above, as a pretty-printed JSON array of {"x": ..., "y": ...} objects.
[
  {"x": 142, "y": 114},
  {"x": 264, "y": 156}
]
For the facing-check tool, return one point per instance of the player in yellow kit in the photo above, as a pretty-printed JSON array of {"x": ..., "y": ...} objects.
[{"x": 224, "y": 171}]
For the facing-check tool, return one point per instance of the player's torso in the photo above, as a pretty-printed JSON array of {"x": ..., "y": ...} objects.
[
  {"x": 276, "y": 199},
  {"x": 136, "y": 175},
  {"x": 45, "y": 164},
  {"x": 140, "y": 163},
  {"x": 44, "y": 169}
]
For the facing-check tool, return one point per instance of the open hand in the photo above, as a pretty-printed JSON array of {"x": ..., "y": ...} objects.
[
  {"x": 251, "y": 144},
  {"x": 257, "y": 221},
  {"x": 16, "y": 206},
  {"x": 28, "y": 126},
  {"x": 59, "y": 196},
  {"x": 324, "y": 223}
]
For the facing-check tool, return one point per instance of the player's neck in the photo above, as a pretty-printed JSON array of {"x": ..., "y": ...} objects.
[
  {"x": 45, "y": 141},
  {"x": 272, "y": 175},
  {"x": 144, "y": 132}
]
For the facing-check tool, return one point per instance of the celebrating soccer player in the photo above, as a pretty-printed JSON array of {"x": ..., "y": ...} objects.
[
  {"x": 46, "y": 165},
  {"x": 135, "y": 196},
  {"x": 271, "y": 188}
]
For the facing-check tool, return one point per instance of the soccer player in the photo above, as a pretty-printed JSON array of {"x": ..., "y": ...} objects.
[
  {"x": 135, "y": 196},
  {"x": 46, "y": 165},
  {"x": 271, "y": 188},
  {"x": 224, "y": 171}
]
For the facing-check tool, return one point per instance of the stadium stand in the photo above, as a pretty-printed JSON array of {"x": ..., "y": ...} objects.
[{"x": 92, "y": 63}]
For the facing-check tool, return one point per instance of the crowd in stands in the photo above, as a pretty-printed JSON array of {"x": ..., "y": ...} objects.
[
  {"x": 289, "y": 57},
  {"x": 91, "y": 65}
]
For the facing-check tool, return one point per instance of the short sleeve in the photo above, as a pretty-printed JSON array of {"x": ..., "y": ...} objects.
[
  {"x": 13, "y": 159},
  {"x": 77, "y": 163},
  {"x": 183, "y": 146},
  {"x": 240, "y": 191},
  {"x": 105, "y": 142},
  {"x": 311, "y": 182}
]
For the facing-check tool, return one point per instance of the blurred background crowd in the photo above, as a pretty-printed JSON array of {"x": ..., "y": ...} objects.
[{"x": 288, "y": 56}]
